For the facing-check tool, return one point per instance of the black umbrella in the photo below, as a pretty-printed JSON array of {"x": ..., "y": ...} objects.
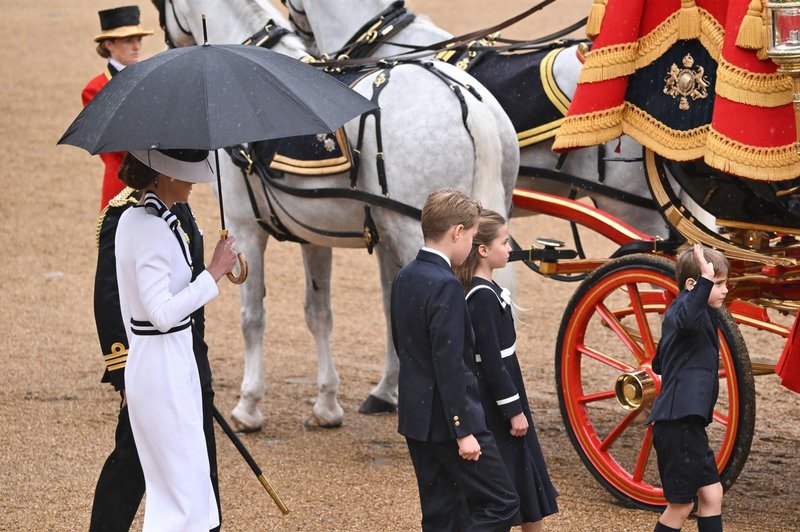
[{"x": 212, "y": 96}]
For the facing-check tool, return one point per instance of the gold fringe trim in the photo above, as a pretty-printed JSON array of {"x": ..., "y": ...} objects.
[
  {"x": 752, "y": 32},
  {"x": 671, "y": 143},
  {"x": 595, "y": 19},
  {"x": 589, "y": 129},
  {"x": 665, "y": 35},
  {"x": 753, "y": 162},
  {"x": 608, "y": 62},
  {"x": 688, "y": 21},
  {"x": 654, "y": 44},
  {"x": 624, "y": 59},
  {"x": 712, "y": 34},
  {"x": 751, "y": 88}
]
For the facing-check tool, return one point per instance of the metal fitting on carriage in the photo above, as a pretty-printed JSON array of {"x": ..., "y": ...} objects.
[
  {"x": 634, "y": 390},
  {"x": 548, "y": 265}
]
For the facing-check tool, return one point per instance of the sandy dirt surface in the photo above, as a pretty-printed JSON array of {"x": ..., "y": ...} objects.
[{"x": 57, "y": 420}]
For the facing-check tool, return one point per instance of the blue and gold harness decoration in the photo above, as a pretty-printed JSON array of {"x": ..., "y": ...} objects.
[{"x": 524, "y": 85}]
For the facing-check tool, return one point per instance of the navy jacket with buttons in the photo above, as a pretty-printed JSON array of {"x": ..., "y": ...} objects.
[
  {"x": 687, "y": 357},
  {"x": 438, "y": 395}
]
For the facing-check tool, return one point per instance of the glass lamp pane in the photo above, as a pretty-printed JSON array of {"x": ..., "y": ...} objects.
[{"x": 786, "y": 29}]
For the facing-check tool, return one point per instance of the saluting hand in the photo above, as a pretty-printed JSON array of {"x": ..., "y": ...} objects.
[{"x": 706, "y": 268}]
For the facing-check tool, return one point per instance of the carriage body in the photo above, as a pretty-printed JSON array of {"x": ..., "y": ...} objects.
[{"x": 611, "y": 325}]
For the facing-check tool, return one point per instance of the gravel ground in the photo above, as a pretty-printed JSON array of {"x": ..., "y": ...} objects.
[{"x": 58, "y": 420}]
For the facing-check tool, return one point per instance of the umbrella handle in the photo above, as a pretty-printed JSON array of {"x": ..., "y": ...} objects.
[
  {"x": 242, "y": 271},
  {"x": 242, "y": 277}
]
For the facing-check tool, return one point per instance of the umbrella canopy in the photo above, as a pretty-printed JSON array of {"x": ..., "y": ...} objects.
[{"x": 212, "y": 96}]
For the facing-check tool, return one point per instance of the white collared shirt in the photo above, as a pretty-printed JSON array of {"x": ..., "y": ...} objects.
[
  {"x": 437, "y": 252},
  {"x": 116, "y": 64}
]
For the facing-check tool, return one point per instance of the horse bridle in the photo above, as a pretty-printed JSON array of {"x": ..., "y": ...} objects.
[{"x": 162, "y": 21}]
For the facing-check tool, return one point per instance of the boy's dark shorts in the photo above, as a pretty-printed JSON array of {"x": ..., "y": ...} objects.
[{"x": 685, "y": 461}]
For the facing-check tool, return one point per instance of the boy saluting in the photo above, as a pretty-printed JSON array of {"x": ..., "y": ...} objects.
[
  {"x": 455, "y": 457},
  {"x": 688, "y": 360}
]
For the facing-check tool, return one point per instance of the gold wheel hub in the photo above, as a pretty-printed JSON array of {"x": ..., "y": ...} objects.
[{"x": 635, "y": 389}]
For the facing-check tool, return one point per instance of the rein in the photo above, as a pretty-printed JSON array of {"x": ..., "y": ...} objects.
[{"x": 454, "y": 42}]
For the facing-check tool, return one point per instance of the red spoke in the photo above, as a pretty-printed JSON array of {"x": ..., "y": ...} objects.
[
  {"x": 644, "y": 454},
  {"x": 619, "y": 429},
  {"x": 602, "y": 357},
  {"x": 641, "y": 319},
  {"x": 721, "y": 418},
  {"x": 599, "y": 396},
  {"x": 621, "y": 332}
]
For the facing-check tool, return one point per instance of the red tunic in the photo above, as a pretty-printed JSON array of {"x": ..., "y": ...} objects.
[{"x": 111, "y": 183}]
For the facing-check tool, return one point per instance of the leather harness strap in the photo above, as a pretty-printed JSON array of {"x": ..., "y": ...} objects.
[{"x": 376, "y": 32}]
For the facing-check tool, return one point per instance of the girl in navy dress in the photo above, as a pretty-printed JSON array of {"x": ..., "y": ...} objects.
[{"x": 508, "y": 415}]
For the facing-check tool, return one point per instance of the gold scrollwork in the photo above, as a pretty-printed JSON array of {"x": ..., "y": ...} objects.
[
  {"x": 380, "y": 80},
  {"x": 687, "y": 82}
]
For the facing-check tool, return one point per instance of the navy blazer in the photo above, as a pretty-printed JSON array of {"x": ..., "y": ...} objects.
[
  {"x": 438, "y": 396},
  {"x": 687, "y": 357}
]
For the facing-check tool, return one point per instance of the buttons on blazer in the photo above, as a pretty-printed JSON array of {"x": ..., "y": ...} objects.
[{"x": 456, "y": 422}]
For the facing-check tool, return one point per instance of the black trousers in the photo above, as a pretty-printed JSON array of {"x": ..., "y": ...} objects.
[
  {"x": 446, "y": 481},
  {"x": 120, "y": 488}
]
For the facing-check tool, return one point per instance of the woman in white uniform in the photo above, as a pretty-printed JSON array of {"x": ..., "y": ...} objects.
[{"x": 156, "y": 298}]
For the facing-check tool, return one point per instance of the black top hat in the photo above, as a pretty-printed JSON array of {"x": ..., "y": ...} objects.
[{"x": 120, "y": 22}]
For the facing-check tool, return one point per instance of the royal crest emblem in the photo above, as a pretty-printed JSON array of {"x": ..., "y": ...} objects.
[{"x": 687, "y": 82}]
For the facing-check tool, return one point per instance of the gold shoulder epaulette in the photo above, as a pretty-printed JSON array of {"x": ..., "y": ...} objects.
[{"x": 117, "y": 201}]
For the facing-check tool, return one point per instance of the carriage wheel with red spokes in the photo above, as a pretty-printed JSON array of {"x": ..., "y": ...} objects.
[{"x": 610, "y": 329}]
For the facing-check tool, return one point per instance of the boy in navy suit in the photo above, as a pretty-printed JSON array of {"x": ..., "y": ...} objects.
[
  {"x": 455, "y": 457},
  {"x": 687, "y": 359}
]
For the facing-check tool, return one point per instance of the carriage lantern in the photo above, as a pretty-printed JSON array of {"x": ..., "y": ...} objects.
[{"x": 783, "y": 18}]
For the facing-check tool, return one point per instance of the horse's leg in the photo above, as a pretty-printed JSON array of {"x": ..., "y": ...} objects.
[
  {"x": 318, "y": 260},
  {"x": 252, "y": 241},
  {"x": 383, "y": 398}
]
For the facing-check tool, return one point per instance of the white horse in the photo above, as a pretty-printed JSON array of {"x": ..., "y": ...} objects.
[
  {"x": 327, "y": 26},
  {"x": 428, "y": 144}
]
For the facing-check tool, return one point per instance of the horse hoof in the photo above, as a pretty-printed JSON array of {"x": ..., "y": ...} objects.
[
  {"x": 240, "y": 426},
  {"x": 374, "y": 406},
  {"x": 314, "y": 423}
]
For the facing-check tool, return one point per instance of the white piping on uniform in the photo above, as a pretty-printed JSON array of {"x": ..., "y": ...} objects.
[
  {"x": 507, "y": 400},
  {"x": 505, "y": 353}
]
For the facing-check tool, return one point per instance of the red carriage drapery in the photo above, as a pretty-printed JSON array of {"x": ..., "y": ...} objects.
[{"x": 689, "y": 80}]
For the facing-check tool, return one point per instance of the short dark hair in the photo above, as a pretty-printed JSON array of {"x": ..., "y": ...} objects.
[
  {"x": 445, "y": 208},
  {"x": 135, "y": 173},
  {"x": 687, "y": 268}
]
